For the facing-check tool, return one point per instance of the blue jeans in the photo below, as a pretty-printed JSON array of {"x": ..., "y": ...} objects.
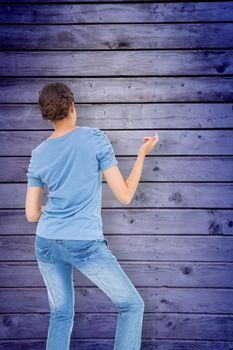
[{"x": 56, "y": 259}]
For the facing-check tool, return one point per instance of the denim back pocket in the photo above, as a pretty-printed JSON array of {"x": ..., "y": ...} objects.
[
  {"x": 83, "y": 250},
  {"x": 43, "y": 251}
]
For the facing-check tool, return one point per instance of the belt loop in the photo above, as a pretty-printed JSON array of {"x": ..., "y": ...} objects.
[{"x": 58, "y": 241}]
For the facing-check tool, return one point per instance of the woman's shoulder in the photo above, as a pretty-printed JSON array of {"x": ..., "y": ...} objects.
[
  {"x": 93, "y": 131},
  {"x": 99, "y": 134}
]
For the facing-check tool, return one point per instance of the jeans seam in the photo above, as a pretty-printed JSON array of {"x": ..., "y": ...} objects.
[{"x": 53, "y": 300}]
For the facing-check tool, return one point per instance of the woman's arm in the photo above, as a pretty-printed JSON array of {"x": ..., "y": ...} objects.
[
  {"x": 125, "y": 190},
  {"x": 33, "y": 207},
  {"x": 134, "y": 177}
]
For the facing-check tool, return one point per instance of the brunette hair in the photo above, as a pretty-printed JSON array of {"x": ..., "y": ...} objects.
[{"x": 54, "y": 101}]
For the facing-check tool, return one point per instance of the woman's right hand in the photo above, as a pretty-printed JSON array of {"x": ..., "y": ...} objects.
[{"x": 149, "y": 143}]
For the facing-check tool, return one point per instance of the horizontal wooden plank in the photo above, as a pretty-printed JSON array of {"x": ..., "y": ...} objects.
[
  {"x": 93, "y": 1},
  {"x": 117, "y": 13},
  {"x": 127, "y": 142},
  {"x": 148, "y": 195},
  {"x": 125, "y": 116},
  {"x": 142, "y": 248},
  {"x": 176, "y": 168},
  {"x": 139, "y": 221},
  {"x": 111, "y": 90},
  {"x": 152, "y": 274},
  {"x": 107, "y": 344},
  {"x": 199, "y": 195},
  {"x": 190, "y": 300},
  {"x": 168, "y": 326},
  {"x": 116, "y": 36},
  {"x": 123, "y": 63}
]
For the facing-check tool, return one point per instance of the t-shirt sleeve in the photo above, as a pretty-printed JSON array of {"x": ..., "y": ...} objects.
[
  {"x": 33, "y": 178},
  {"x": 104, "y": 150}
]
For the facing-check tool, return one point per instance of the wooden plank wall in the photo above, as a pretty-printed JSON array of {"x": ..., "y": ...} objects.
[{"x": 134, "y": 67}]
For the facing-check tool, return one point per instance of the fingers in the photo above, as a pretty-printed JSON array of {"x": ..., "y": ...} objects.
[{"x": 153, "y": 139}]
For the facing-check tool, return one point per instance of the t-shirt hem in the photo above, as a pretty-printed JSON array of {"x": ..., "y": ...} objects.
[{"x": 72, "y": 237}]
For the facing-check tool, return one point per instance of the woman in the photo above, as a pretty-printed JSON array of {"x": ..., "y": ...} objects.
[{"x": 69, "y": 230}]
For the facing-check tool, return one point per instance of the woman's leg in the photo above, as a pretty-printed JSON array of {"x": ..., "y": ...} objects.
[
  {"x": 103, "y": 269},
  {"x": 58, "y": 279}
]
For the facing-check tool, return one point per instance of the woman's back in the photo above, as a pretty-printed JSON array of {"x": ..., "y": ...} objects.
[{"x": 71, "y": 166}]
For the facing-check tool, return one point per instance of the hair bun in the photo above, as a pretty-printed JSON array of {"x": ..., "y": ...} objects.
[
  {"x": 50, "y": 109},
  {"x": 55, "y": 100}
]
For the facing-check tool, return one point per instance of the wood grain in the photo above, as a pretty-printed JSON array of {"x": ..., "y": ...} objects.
[
  {"x": 134, "y": 221},
  {"x": 143, "y": 12},
  {"x": 166, "y": 274},
  {"x": 125, "y": 89},
  {"x": 117, "y": 36},
  {"x": 126, "y": 116},
  {"x": 119, "y": 63}
]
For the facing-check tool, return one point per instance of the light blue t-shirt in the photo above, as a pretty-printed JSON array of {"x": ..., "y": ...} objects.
[{"x": 71, "y": 167}]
